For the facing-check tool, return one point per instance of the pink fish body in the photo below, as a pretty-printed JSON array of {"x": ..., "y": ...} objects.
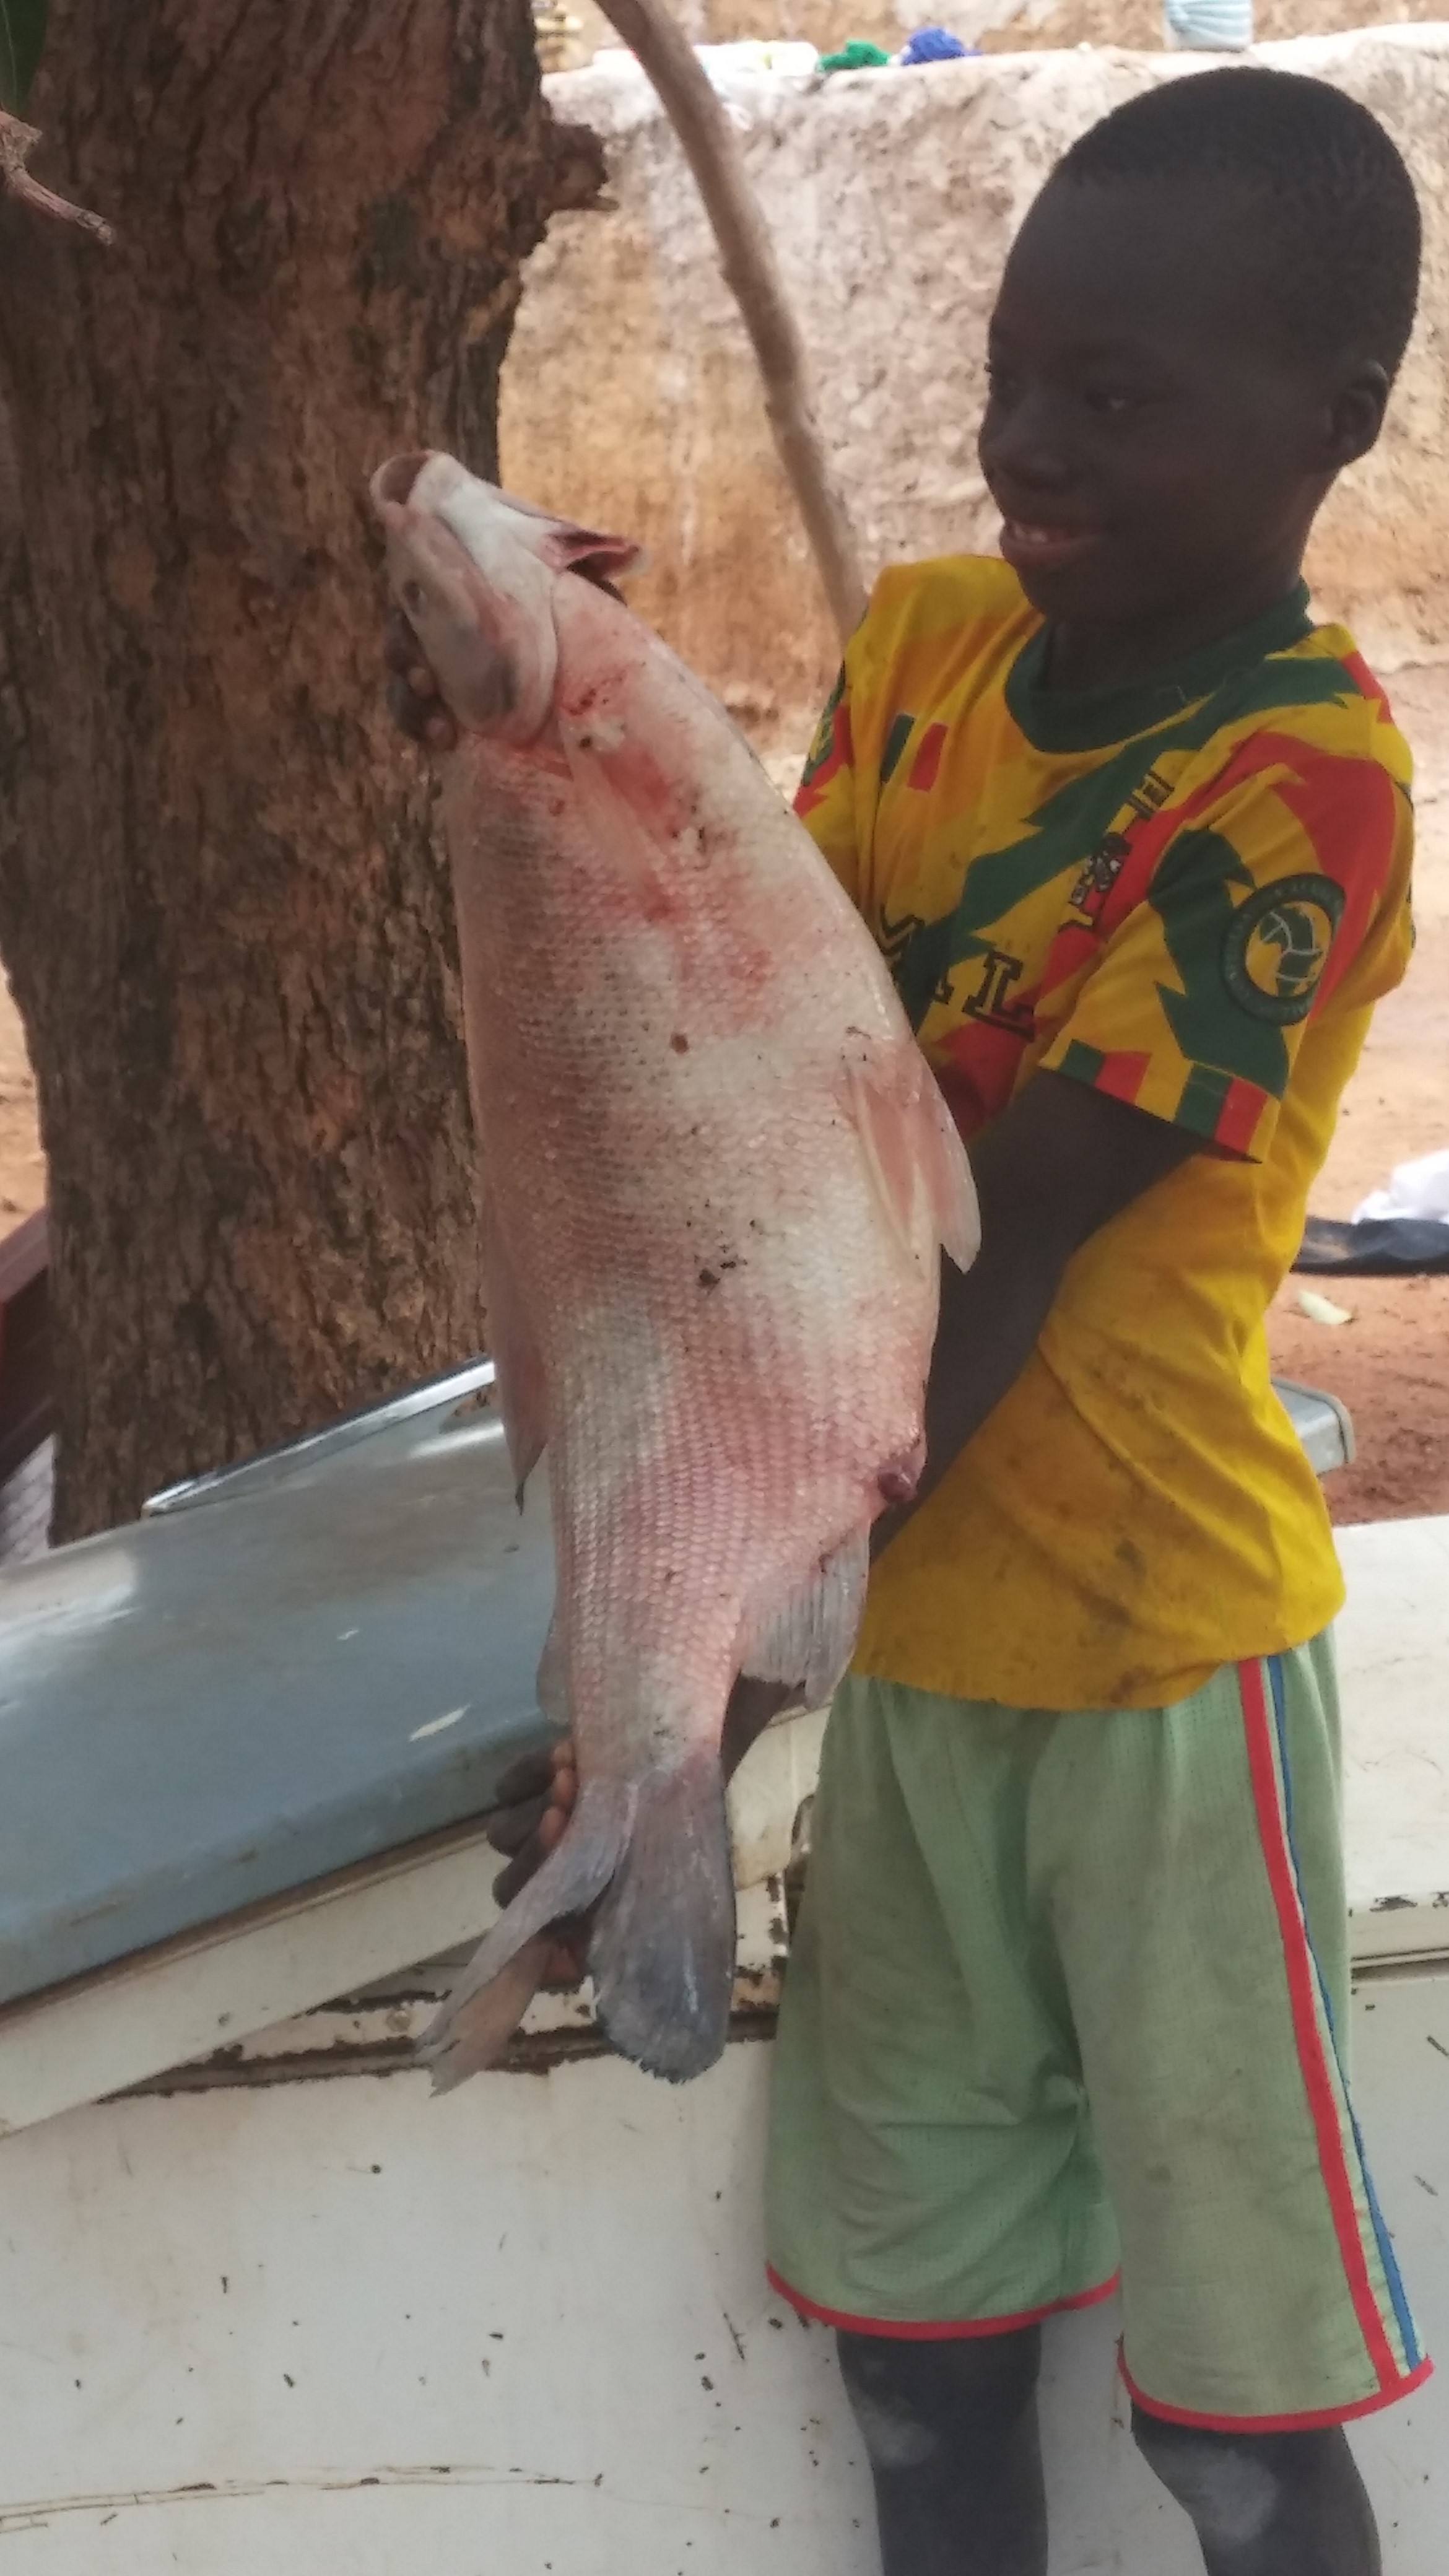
[{"x": 715, "y": 1177}]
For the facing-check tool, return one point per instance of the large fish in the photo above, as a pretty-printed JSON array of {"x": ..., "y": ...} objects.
[{"x": 715, "y": 1174}]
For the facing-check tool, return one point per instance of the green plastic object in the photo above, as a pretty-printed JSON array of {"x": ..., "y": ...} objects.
[{"x": 858, "y": 56}]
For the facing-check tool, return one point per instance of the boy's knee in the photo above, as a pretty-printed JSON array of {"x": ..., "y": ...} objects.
[
  {"x": 910, "y": 2398},
  {"x": 1266, "y": 2504},
  {"x": 1228, "y": 2486}
]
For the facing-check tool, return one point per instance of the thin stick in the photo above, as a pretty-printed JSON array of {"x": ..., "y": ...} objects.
[
  {"x": 17, "y": 142},
  {"x": 753, "y": 274}
]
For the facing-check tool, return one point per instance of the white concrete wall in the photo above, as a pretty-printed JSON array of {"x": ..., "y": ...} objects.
[{"x": 629, "y": 395}]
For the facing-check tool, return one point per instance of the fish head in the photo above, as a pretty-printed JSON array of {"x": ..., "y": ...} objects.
[{"x": 476, "y": 573}]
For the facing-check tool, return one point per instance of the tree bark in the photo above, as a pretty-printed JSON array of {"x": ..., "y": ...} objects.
[{"x": 222, "y": 907}]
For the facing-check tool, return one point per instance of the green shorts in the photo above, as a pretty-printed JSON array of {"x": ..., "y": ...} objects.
[{"x": 1068, "y": 1998}]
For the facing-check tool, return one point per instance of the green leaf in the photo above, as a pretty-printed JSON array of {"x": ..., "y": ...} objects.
[{"x": 22, "y": 42}]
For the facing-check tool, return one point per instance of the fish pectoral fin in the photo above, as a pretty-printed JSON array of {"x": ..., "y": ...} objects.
[
  {"x": 662, "y": 1952},
  {"x": 910, "y": 1140},
  {"x": 807, "y": 1640},
  {"x": 572, "y": 1877},
  {"x": 609, "y": 785}
]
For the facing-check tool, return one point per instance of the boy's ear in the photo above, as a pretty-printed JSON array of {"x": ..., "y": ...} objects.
[{"x": 1357, "y": 413}]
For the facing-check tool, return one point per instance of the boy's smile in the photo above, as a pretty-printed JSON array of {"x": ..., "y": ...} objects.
[{"x": 1155, "y": 441}]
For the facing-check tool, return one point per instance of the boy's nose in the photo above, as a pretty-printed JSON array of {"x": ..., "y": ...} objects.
[{"x": 1024, "y": 446}]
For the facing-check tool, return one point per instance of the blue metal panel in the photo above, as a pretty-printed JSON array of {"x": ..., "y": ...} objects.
[{"x": 225, "y": 1700}]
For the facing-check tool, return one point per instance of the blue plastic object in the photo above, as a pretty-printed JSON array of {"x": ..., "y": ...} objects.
[{"x": 935, "y": 45}]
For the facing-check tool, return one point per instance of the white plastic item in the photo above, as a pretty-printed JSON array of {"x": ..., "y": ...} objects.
[{"x": 1420, "y": 1189}]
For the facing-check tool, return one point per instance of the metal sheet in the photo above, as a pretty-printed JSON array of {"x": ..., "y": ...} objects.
[
  {"x": 208, "y": 1707},
  {"x": 285, "y": 1668}
]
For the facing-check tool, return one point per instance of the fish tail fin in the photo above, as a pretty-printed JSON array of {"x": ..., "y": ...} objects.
[
  {"x": 662, "y": 1954},
  {"x": 496, "y": 1988}
]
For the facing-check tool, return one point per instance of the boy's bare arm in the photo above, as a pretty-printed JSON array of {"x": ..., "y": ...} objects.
[{"x": 1052, "y": 1169}]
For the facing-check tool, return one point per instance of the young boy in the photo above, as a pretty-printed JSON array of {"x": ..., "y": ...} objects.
[{"x": 1068, "y": 1996}]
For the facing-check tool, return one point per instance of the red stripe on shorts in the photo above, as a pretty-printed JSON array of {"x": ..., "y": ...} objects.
[
  {"x": 1302, "y": 1992},
  {"x": 1309, "y": 2423},
  {"x": 935, "y": 2330}
]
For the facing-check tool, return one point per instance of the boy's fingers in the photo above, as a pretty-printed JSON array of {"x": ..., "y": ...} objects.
[
  {"x": 399, "y": 643},
  {"x": 567, "y": 1965},
  {"x": 531, "y": 1776},
  {"x": 411, "y": 715},
  {"x": 514, "y": 1826},
  {"x": 533, "y": 1853}
]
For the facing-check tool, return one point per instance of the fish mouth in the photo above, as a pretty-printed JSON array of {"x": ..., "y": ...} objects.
[
  {"x": 1041, "y": 546},
  {"x": 394, "y": 481}
]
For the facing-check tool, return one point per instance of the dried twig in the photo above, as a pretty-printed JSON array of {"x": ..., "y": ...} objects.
[
  {"x": 753, "y": 272},
  {"x": 17, "y": 142}
]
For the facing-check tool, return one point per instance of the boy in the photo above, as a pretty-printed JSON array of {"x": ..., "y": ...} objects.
[{"x": 1068, "y": 1992}]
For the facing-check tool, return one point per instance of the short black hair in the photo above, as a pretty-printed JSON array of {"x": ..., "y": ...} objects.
[{"x": 1340, "y": 249}]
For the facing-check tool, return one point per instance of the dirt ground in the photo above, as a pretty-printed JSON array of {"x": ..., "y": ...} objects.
[{"x": 1390, "y": 1364}]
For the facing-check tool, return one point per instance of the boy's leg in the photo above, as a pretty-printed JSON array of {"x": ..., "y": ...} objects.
[
  {"x": 1195, "y": 1861},
  {"x": 950, "y": 2430},
  {"x": 1266, "y": 2504}
]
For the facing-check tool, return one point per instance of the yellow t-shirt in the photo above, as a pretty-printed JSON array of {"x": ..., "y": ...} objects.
[{"x": 1188, "y": 895}]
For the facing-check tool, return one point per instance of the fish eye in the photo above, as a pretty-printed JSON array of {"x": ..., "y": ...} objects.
[{"x": 413, "y": 595}]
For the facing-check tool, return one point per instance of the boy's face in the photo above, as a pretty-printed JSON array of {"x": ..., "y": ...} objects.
[{"x": 1149, "y": 441}]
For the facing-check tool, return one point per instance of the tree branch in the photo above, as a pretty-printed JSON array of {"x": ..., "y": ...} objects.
[
  {"x": 17, "y": 142},
  {"x": 753, "y": 274}
]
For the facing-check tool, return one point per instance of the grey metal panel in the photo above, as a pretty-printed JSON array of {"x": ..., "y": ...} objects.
[
  {"x": 215, "y": 1705},
  {"x": 1324, "y": 1426}
]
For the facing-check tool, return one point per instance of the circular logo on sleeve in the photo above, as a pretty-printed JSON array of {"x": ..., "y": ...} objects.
[{"x": 1277, "y": 946}]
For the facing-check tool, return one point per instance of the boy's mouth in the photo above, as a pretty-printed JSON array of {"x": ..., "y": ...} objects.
[{"x": 1029, "y": 546}]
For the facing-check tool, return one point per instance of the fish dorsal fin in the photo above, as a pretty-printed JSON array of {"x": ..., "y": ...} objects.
[{"x": 909, "y": 1140}]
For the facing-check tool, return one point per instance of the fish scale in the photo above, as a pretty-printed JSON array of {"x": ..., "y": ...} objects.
[{"x": 715, "y": 1178}]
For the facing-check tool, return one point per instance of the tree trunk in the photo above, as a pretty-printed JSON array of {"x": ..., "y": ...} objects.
[{"x": 224, "y": 915}]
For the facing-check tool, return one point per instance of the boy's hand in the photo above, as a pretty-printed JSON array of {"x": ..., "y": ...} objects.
[
  {"x": 412, "y": 692},
  {"x": 536, "y": 1796}
]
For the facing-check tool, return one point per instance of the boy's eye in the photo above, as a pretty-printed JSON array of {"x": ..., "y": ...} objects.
[{"x": 1114, "y": 400}]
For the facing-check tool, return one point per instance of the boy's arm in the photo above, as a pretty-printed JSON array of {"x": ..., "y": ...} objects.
[{"x": 1049, "y": 1171}]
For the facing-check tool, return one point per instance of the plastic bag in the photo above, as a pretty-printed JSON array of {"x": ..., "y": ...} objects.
[{"x": 1418, "y": 1189}]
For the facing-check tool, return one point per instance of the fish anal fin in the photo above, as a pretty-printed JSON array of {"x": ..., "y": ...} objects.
[
  {"x": 806, "y": 1641},
  {"x": 481, "y": 2029},
  {"x": 662, "y": 1952},
  {"x": 574, "y": 1875},
  {"x": 910, "y": 1142},
  {"x": 551, "y": 1682}
]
